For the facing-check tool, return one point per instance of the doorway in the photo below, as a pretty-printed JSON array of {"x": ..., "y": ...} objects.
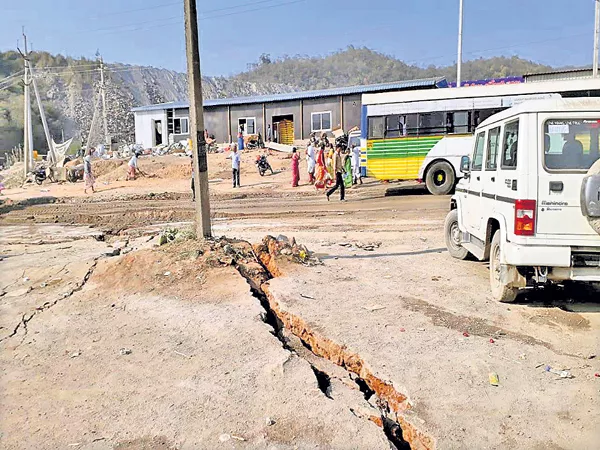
[
  {"x": 283, "y": 129},
  {"x": 158, "y": 138}
]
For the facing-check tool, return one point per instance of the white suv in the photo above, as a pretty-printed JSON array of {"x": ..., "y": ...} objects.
[{"x": 530, "y": 198}]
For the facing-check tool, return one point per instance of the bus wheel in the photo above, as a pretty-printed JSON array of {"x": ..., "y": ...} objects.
[{"x": 440, "y": 178}]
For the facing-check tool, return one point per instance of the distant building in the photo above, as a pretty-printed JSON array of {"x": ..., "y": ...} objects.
[
  {"x": 291, "y": 116},
  {"x": 489, "y": 82},
  {"x": 571, "y": 74}
]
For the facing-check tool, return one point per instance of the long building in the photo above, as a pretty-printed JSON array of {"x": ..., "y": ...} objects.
[{"x": 291, "y": 117}]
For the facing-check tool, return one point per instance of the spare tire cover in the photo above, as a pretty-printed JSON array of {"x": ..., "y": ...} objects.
[{"x": 594, "y": 221}]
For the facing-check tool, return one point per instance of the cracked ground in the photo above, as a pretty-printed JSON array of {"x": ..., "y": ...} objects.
[{"x": 160, "y": 348}]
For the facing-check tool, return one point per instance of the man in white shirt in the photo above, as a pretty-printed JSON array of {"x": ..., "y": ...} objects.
[
  {"x": 235, "y": 166},
  {"x": 310, "y": 163},
  {"x": 356, "y": 173}
]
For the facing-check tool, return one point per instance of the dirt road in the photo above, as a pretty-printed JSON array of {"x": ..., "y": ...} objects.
[{"x": 388, "y": 331}]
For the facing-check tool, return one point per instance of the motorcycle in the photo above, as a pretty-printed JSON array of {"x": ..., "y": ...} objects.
[
  {"x": 263, "y": 165},
  {"x": 41, "y": 174}
]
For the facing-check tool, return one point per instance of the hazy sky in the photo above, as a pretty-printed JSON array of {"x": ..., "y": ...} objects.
[{"x": 236, "y": 32}]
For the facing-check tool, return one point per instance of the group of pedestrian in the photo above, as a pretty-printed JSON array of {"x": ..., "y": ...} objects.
[{"x": 328, "y": 167}]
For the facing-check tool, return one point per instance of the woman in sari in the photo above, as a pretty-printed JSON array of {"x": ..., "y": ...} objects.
[
  {"x": 347, "y": 170},
  {"x": 295, "y": 168},
  {"x": 329, "y": 161},
  {"x": 322, "y": 178}
]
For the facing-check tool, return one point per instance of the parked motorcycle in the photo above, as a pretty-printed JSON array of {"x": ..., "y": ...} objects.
[
  {"x": 41, "y": 174},
  {"x": 263, "y": 165}
]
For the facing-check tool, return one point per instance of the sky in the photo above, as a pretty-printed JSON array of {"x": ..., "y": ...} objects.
[{"x": 234, "y": 33}]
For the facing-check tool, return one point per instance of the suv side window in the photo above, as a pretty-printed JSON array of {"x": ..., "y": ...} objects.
[
  {"x": 510, "y": 145},
  {"x": 493, "y": 143},
  {"x": 477, "y": 162}
]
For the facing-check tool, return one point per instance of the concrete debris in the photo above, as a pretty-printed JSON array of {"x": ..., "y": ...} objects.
[
  {"x": 372, "y": 308},
  {"x": 75, "y": 354},
  {"x": 269, "y": 422}
]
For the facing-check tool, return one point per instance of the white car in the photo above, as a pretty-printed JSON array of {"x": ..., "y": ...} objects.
[{"x": 530, "y": 197}]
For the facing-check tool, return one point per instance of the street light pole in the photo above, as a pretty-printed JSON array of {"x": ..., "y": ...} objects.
[
  {"x": 203, "y": 225},
  {"x": 596, "y": 39},
  {"x": 460, "y": 39}
]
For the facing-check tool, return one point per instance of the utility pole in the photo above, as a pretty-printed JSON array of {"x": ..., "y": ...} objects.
[
  {"x": 103, "y": 94},
  {"x": 460, "y": 39},
  {"x": 596, "y": 39},
  {"x": 27, "y": 125},
  {"x": 51, "y": 154},
  {"x": 203, "y": 226}
]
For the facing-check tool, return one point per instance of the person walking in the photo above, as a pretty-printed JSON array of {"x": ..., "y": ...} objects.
[
  {"x": 88, "y": 176},
  {"x": 295, "y": 168},
  {"x": 338, "y": 169},
  {"x": 356, "y": 173},
  {"x": 241, "y": 137},
  {"x": 132, "y": 167},
  {"x": 269, "y": 133},
  {"x": 235, "y": 166},
  {"x": 193, "y": 190},
  {"x": 322, "y": 179},
  {"x": 310, "y": 162}
]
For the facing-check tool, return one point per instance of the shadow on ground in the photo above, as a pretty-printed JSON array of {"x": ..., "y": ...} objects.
[{"x": 7, "y": 206}]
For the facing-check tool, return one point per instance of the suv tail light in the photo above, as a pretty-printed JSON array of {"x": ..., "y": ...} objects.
[{"x": 525, "y": 217}]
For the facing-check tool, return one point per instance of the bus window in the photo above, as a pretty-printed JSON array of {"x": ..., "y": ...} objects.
[
  {"x": 393, "y": 127},
  {"x": 492, "y": 149},
  {"x": 376, "y": 127},
  {"x": 431, "y": 123},
  {"x": 461, "y": 122},
  {"x": 411, "y": 122}
]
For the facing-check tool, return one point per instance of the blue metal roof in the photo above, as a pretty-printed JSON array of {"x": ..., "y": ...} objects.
[{"x": 399, "y": 85}]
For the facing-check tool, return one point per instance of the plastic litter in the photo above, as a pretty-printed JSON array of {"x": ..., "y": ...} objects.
[
  {"x": 465, "y": 334},
  {"x": 494, "y": 380},
  {"x": 560, "y": 373}
]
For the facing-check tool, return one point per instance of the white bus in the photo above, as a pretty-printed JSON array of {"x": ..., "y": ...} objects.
[{"x": 422, "y": 134}]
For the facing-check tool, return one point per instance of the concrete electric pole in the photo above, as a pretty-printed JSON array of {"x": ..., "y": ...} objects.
[
  {"x": 104, "y": 112},
  {"x": 460, "y": 38},
  {"x": 203, "y": 225},
  {"x": 596, "y": 39},
  {"x": 27, "y": 124}
]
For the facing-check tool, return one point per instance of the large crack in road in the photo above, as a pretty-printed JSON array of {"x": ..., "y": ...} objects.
[
  {"x": 400, "y": 433},
  {"x": 27, "y": 317}
]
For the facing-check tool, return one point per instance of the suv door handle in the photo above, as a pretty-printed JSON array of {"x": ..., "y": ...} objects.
[
  {"x": 493, "y": 179},
  {"x": 556, "y": 186},
  {"x": 478, "y": 178}
]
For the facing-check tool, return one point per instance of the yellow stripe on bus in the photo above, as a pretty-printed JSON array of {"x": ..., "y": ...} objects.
[{"x": 395, "y": 168}]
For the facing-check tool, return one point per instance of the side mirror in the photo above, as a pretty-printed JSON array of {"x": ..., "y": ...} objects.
[{"x": 465, "y": 164}]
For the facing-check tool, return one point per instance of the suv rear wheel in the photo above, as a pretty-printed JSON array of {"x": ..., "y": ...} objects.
[
  {"x": 500, "y": 291},
  {"x": 440, "y": 178},
  {"x": 452, "y": 236}
]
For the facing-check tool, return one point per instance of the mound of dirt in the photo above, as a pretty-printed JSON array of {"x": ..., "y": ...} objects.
[
  {"x": 180, "y": 268},
  {"x": 13, "y": 177},
  {"x": 104, "y": 168}
]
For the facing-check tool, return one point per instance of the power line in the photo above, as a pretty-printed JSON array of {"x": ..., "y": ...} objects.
[
  {"x": 164, "y": 5},
  {"x": 168, "y": 21}
]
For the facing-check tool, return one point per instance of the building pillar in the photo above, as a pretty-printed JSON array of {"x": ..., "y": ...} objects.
[
  {"x": 301, "y": 119},
  {"x": 342, "y": 111},
  {"x": 229, "y": 123},
  {"x": 264, "y": 131}
]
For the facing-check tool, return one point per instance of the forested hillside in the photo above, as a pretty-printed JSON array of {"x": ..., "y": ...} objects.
[{"x": 68, "y": 86}]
